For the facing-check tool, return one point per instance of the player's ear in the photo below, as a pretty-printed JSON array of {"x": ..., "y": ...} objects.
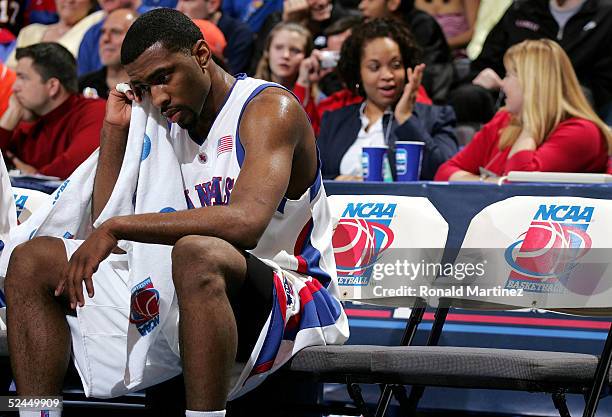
[{"x": 201, "y": 52}]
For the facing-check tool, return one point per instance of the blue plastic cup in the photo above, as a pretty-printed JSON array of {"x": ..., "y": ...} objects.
[
  {"x": 408, "y": 158},
  {"x": 372, "y": 162}
]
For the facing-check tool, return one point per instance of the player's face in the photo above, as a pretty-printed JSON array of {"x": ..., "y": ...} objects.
[
  {"x": 382, "y": 71},
  {"x": 177, "y": 83},
  {"x": 286, "y": 53}
]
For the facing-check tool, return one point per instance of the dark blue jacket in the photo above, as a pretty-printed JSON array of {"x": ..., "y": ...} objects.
[
  {"x": 240, "y": 42},
  {"x": 434, "y": 125}
]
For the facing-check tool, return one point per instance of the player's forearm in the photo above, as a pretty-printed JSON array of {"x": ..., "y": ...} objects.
[
  {"x": 113, "y": 140},
  {"x": 232, "y": 224}
]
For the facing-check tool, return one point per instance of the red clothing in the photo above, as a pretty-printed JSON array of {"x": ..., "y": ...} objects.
[
  {"x": 61, "y": 140},
  {"x": 7, "y": 78},
  {"x": 337, "y": 101},
  {"x": 576, "y": 145}
]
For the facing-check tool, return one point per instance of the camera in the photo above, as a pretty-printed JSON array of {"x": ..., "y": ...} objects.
[{"x": 329, "y": 59}]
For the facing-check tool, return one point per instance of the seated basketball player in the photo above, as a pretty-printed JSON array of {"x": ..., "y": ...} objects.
[{"x": 277, "y": 212}]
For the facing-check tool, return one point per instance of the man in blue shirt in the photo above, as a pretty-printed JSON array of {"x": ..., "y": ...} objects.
[
  {"x": 88, "y": 59},
  {"x": 239, "y": 37}
]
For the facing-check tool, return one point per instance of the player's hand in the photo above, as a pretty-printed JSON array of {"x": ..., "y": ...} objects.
[
  {"x": 119, "y": 108},
  {"x": 405, "y": 105},
  {"x": 488, "y": 79},
  {"x": 84, "y": 263}
]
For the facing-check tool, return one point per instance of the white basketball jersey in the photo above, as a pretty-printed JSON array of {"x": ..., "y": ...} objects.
[{"x": 299, "y": 236}]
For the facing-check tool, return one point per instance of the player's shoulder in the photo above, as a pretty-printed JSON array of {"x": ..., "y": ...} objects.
[{"x": 275, "y": 104}]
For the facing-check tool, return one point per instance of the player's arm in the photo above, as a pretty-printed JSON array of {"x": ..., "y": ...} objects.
[
  {"x": 113, "y": 140},
  {"x": 271, "y": 127}
]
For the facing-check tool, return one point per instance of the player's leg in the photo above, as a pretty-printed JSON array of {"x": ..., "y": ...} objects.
[
  {"x": 38, "y": 334},
  {"x": 208, "y": 273}
]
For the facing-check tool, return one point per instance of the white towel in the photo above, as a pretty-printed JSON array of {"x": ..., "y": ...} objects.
[
  {"x": 149, "y": 164},
  {"x": 8, "y": 216},
  {"x": 8, "y": 213}
]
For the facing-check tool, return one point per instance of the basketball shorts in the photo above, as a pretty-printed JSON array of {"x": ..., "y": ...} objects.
[{"x": 99, "y": 330}]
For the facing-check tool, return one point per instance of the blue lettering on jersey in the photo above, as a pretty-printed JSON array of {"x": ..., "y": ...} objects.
[{"x": 216, "y": 192}]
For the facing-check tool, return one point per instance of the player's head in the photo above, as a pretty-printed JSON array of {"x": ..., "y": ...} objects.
[{"x": 167, "y": 58}]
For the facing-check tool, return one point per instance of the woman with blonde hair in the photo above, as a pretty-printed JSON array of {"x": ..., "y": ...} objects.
[
  {"x": 546, "y": 125},
  {"x": 286, "y": 47}
]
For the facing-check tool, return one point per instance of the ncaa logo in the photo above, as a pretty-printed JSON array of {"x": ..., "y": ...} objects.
[
  {"x": 361, "y": 237},
  {"x": 401, "y": 161},
  {"x": 550, "y": 249},
  {"x": 144, "y": 307}
]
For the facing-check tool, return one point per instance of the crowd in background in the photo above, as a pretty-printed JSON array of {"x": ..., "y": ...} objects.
[{"x": 488, "y": 85}]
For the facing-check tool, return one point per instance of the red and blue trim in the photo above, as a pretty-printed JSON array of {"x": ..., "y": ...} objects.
[{"x": 308, "y": 256}]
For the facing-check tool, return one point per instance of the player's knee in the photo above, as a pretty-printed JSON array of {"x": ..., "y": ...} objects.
[
  {"x": 198, "y": 263},
  {"x": 28, "y": 261},
  {"x": 207, "y": 253}
]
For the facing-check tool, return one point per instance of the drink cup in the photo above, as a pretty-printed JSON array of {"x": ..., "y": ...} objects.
[
  {"x": 372, "y": 160},
  {"x": 408, "y": 158}
]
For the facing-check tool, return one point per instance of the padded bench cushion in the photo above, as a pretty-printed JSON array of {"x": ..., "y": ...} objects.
[{"x": 449, "y": 366}]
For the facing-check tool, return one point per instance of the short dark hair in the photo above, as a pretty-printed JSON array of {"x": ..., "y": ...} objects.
[
  {"x": 343, "y": 24},
  {"x": 175, "y": 31},
  {"x": 52, "y": 60},
  {"x": 352, "y": 49}
]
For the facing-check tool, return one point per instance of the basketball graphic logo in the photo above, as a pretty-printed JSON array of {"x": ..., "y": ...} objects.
[
  {"x": 358, "y": 243},
  {"x": 360, "y": 238},
  {"x": 544, "y": 256},
  {"x": 144, "y": 307}
]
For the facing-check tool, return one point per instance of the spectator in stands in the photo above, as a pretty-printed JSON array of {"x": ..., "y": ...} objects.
[
  {"x": 318, "y": 76},
  {"x": 40, "y": 11},
  {"x": 583, "y": 28},
  {"x": 88, "y": 59},
  {"x": 240, "y": 39},
  {"x": 97, "y": 84},
  {"x": 455, "y": 17},
  {"x": 489, "y": 13},
  {"x": 319, "y": 86},
  {"x": 547, "y": 124},
  {"x": 49, "y": 128},
  {"x": 252, "y": 12},
  {"x": 11, "y": 21},
  {"x": 314, "y": 15},
  {"x": 286, "y": 47},
  {"x": 439, "y": 73},
  {"x": 74, "y": 20},
  {"x": 379, "y": 61}
]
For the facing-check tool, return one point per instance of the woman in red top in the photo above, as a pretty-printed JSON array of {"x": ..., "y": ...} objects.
[{"x": 547, "y": 124}]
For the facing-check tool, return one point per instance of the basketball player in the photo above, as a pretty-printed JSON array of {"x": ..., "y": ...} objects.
[{"x": 235, "y": 137}]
